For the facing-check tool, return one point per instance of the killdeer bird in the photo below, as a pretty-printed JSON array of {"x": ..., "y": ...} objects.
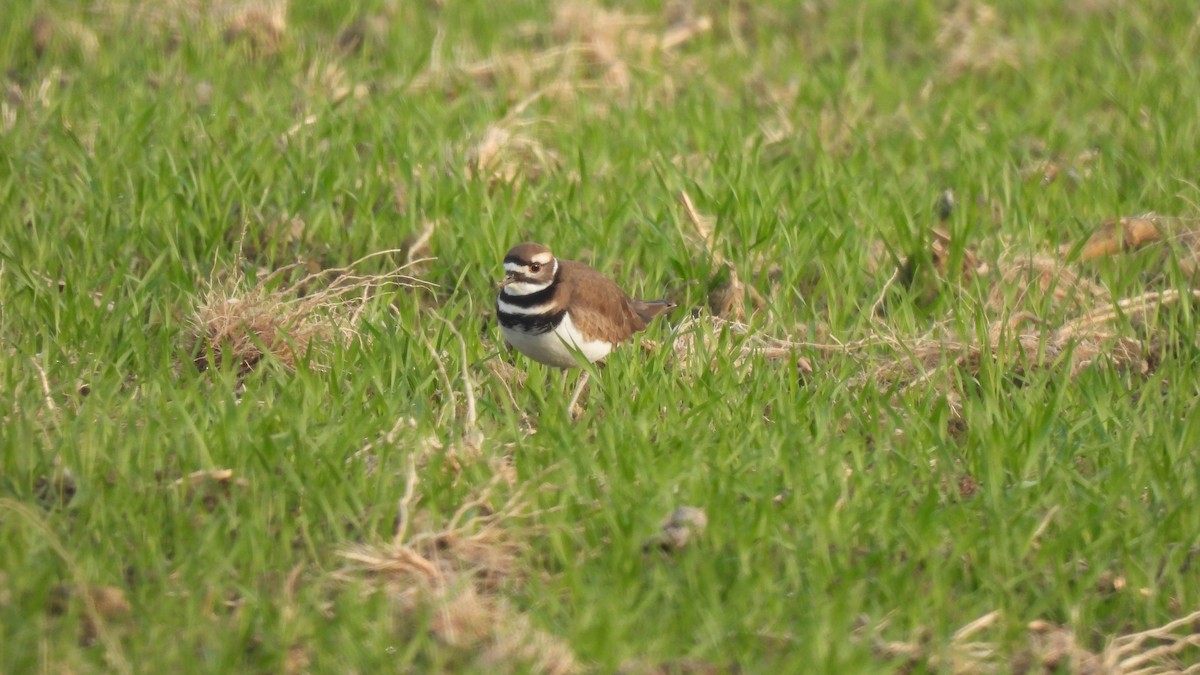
[{"x": 550, "y": 309}]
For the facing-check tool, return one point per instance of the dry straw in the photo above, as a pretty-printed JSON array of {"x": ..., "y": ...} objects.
[
  {"x": 458, "y": 571},
  {"x": 1163, "y": 650},
  {"x": 1122, "y": 333},
  {"x": 243, "y": 322}
]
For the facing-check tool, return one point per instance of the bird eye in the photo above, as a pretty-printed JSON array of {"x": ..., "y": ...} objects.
[{"x": 535, "y": 267}]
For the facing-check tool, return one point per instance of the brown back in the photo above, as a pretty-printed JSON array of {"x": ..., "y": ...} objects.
[{"x": 600, "y": 309}]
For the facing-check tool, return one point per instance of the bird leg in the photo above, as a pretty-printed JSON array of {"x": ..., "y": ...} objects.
[{"x": 571, "y": 407}]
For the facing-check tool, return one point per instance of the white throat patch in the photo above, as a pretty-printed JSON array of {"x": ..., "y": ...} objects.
[{"x": 525, "y": 287}]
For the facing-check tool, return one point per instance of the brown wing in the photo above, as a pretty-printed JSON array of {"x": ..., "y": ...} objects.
[{"x": 600, "y": 309}]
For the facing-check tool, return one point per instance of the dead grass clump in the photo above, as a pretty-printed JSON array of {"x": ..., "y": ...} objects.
[
  {"x": 677, "y": 667},
  {"x": 37, "y": 96},
  {"x": 261, "y": 25},
  {"x": 1046, "y": 168},
  {"x": 604, "y": 38},
  {"x": 243, "y": 323},
  {"x": 698, "y": 336},
  {"x": 1026, "y": 301},
  {"x": 1026, "y": 296},
  {"x": 1017, "y": 281},
  {"x": 1171, "y": 648},
  {"x": 1023, "y": 344},
  {"x": 973, "y": 40},
  {"x": 585, "y": 46},
  {"x": 457, "y": 571},
  {"x": 53, "y": 34},
  {"x": 1022, "y": 281},
  {"x": 508, "y": 152},
  {"x": 609, "y": 40},
  {"x": 328, "y": 81}
]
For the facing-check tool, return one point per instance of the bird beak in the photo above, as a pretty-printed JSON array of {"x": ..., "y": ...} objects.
[{"x": 508, "y": 279}]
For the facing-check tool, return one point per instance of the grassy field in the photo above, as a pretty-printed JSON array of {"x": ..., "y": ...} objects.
[{"x": 926, "y": 438}]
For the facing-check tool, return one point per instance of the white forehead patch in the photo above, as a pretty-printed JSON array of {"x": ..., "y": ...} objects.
[{"x": 513, "y": 267}]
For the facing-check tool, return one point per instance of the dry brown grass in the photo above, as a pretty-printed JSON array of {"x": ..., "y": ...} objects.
[
  {"x": 585, "y": 47},
  {"x": 1018, "y": 345},
  {"x": 509, "y": 151},
  {"x": 326, "y": 80},
  {"x": 677, "y": 667},
  {"x": 1025, "y": 290},
  {"x": 699, "y": 335},
  {"x": 54, "y": 34},
  {"x": 1022, "y": 344},
  {"x": 1023, "y": 281},
  {"x": 259, "y": 24},
  {"x": 459, "y": 569},
  {"x": 973, "y": 39},
  {"x": 1167, "y": 649},
  {"x": 287, "y": 314},
  {"x": 1046, "y": 168}
]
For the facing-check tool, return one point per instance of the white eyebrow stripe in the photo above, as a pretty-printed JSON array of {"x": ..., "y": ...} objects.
[
  {"x": 543, "y": 258},
  {"x": 506, "y": 308}
]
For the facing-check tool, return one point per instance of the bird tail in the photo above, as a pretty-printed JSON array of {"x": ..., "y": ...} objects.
[{"x": 648, "y": 309}]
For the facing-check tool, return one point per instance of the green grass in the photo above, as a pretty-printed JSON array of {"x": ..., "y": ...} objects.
[{"x": 130, "y": 169}]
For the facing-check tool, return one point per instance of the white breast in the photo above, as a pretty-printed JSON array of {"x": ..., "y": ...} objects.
[{"x": 551, "y": 348}]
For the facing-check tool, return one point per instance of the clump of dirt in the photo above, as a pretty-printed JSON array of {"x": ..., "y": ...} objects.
[{"x": 680, "y": 527}]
